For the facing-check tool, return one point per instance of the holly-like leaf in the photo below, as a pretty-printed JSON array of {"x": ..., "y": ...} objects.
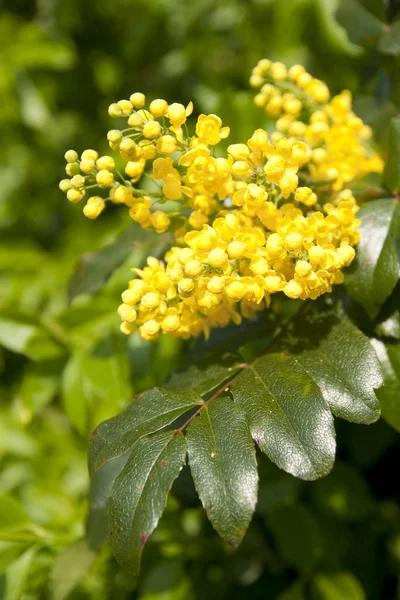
[
  {"x": 375, "y": 271},
  {"x": 289, "y": 418},
  {"x": 361, "y": 25},
  {"x": 342, "y": 362},
  {"x": 204, "y": 376},
  {"x": 148, "y": 413},
  {"x": 392, "y": 164},
  {"x": 224, "y": 468},
  {"x": 140, "y": 493},
  {"x": 389, "y": 394}
]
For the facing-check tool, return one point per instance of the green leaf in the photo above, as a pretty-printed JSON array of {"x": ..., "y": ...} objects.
[
  {"x": 224, "y": 468},
  {"x": 148, "y": 413},
  {"x": 337, "y": 586},
  {"x": 344, "y": 494},
  {"x": 140, "y": 493},
  {"x": 22, "y": 334},
  {"x": 289, "y": 418},
  {"x": 392, "y": 165},
  {"x": 96, "y": 385},
  {"x": 389, "y": 394},
  {"x": 9, "y": 552},
  {"x": 18, "y": 574},
  {"x": 70, "y": 567},
  {"x": 297, "y": 536},
  {"x": 38, "y": 388},
  {"x": 204, "y": 376},
  {"x": 375, "y": 271},
  {"x": 362, "y": 26},
  {"x": 390, "y": 41},
  {"x": 342, "y": 362},
  {"x": 95, "y": 268}
]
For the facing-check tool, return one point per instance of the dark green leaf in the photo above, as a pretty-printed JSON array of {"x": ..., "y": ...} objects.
[
  {"x": 375, "y": 271},
  {"x": 204, "y": 376},
  {"x": 70, "y": 567},
  {"x": 392, "y": 165},
  {"x": 337, "y": 586},
  {"x": 289, "y": 418},
  {"x": 342, "y": 362},
  {"x": 297, "y": 536},
  {"x": 362, "y": 26},
  {"x": 148, "y": 413},
  {"x": 390, "y": 41},
  {"x": 224, "y": 468},
  {"x": 140, "y": 493},
  {"x": 389, "y": 394}
]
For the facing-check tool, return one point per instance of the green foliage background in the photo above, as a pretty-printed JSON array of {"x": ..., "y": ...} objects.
[{"x": 64, "y": 366}]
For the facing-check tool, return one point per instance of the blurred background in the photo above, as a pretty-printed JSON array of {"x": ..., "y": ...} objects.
[{"x": 64, "y": 366}]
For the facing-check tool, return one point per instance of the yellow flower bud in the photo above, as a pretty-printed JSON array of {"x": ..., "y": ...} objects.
[
  {"x": 302, "y": 268},
  {"x": 150, "y": 301},
  {"x": 294, "y": 241},
  {"x": 89, "y": 154},
  {"x": 236, "y": 290},
  {"x": 275, "y": 168},
  {"x": 65, "y": 185},
  {"x": 114, "y": 136},
  {"x": 150, "y": 329},
  {"x": 135, "y": 169},
  {"x": 293, "y": 289},
  {"x": 126, "y": 107},
  {"x": 193, "y": 268},
  {"x": 123, "y": 195},
  {"x": 115, "y": 111},
  {"x": 306, "y": 196},
  {"x": 185, "y": 286},
  {"x": 278, "y": 71},
  {"x": 216, "y": 284},
  {"x": 87, "y": 165},
  {"x": 127, "y": 313},
  {"x": 236, "y": 250},
  {"x": 78, "y": 181},
  {"x": 137, "y": 100},
  {"x": 158, "y": 108},
  {"x": 239, "y": 151},
  {"x": 160, "y": 221},
  {"x": 105, "y": 178},
  {"x": 170, "y": 323},
  {"x": 71, "y": 156},
  {"x": 295, "y": 71},
  {"x": 74, "y": 196},
  {"x": 172, "y": 189},
  {"x": 94, "y": 207},
  {"x": 105, "y": 162},
  {"x": 151, "y": 129},
  {"x": 272, "y": 284},
  {"x": 166, "y": 144},
  {"x": 72, "y": 169},
  {"x": 217, "y": 257},
  {"x": 127, "y": 328}
]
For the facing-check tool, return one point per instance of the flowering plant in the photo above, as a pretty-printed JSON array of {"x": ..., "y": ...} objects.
[{"x": 277, "y": 213}]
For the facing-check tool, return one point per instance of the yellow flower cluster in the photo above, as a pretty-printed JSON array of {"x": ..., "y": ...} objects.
[
  {"x": 229, "y": 271},
  {"x": 274, "y": 214},
  {"x": 335, "y": 135}
]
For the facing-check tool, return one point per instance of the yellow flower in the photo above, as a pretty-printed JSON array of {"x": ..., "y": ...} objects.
[{"x": 209, "y": 129}]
